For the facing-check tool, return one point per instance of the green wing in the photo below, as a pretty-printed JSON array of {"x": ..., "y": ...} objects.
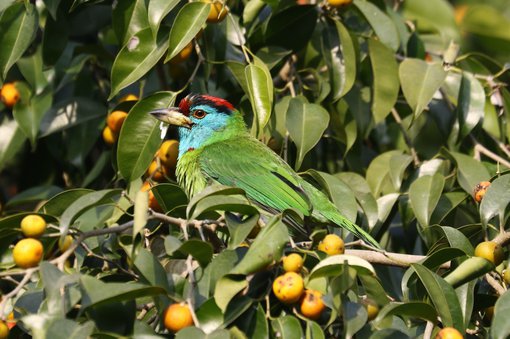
[{"x": 248, "y": 164}]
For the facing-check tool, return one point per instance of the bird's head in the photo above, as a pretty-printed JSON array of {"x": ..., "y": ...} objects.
[{"x": 199, "y": 117}]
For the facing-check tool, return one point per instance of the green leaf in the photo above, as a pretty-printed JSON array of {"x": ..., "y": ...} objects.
[
  {"x": 363, "y": 195},
  {"x": 470, "y": 171},
  {"x": 420, "y": 80},
  {"x": 220, "y": 266},
  {"x": 424, "y": 194},
  {"x": 287, "y": 327},
  {"x": 18, "y": 24},
  {"x": 229, "y": 203},
  {"x": 339, "y": 192},
  {"x": 340, "y": 56},
  {"x": 201, "y": 251},
  {"x": 471, "y": 104},
  {"x": 382, "y": 25},
  {"x": 239, "y": 228},
  {"x": 169, "y": 196},
  {"x": 266, "y": 249},
  {"x": 137, "y": 57},
  {"x": 151, "y": 270},
  {"x": 32, "y": 69},
  {"x": 306, "y": 123},
  {"x": 410, "y": 309},
  {"x": 187, "y": 24},
  {"x": 210, "y": 316},
  {"x": 446, "y": 204},
  {"x": 260, "y": 91},
  {"x": 443, "y": 297},
  {"x": 29, "y": 114},
  {"x": 69, "y": 113},
  {"x": 12, "y": 139},
  {"x": 33, "y": 194},
  {"x": 140, "y": 136},
  {"x": 355, "y": 316},
  {"x": 212, "y": 190},
  {"x": 386, "y": 83},
  {"x": 314, "y": 331},
  {"x": 334, "y": 265},
  {"x": 65, "y": 328},
  {"x": 226, "y": 288},
  {"x": 96, "y": 292},
  {"x": 59, "y": 203},
  {"x": 129, "y": 18},
  {"x": 496, "y": 200},
  {"x": 140, "y": 212},
  {"x": 500, "y": 327},
  {"x": 81, "y": 204},
  {"x": 378, "y": 173},
  {"x": 435, "y": 16},
  {"x": 157, "y": 11}
]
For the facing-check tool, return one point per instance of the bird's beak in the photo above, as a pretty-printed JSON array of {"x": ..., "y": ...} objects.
[{"x": 172, "y": 116}]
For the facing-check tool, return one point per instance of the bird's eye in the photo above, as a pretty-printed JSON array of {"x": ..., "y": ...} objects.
[{"x": 199, "y": 114}]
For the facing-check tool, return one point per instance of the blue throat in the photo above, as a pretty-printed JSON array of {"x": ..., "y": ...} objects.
[{"x": 203, "y": 130}]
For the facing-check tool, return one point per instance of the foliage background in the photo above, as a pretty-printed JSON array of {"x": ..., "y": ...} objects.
[{"x": 396, "y": 109}]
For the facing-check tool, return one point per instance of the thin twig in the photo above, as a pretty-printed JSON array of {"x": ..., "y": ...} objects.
[
  {"x": 15, "y": 291},
  {"x": 488, "y": 153},
  {"x": 494, "y": 284}
]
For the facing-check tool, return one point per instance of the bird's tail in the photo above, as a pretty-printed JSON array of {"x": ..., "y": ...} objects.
[{"x": 335, "y": 217}]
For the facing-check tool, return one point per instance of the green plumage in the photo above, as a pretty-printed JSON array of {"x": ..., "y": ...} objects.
[{"x": 230, "y": 156}]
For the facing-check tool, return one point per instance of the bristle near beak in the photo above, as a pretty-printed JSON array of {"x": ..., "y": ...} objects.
[{"x": 172, "y": 116}]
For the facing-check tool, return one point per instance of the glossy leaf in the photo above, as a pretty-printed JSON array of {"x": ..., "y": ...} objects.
[
  {"x": 260, "y": 91},
  {"x": 386, "y": 83},
  {"x": 470, "y": 171},
  {"x": 420, "y": 80},
  {"x": 378, "y": 174},
  {"x": 287, "y": 327},
  {"x": 95, "y": 292},
  {"x": 266, "y": 249},
  {"x": 82, "y": 203},
  {"x": 129, "y": 18},
  {"x": 140, "y": 135},
  {"x": 306, "y": 123},
  {"x": 443, "y": 297},
  {"x": 29, "y": 114},
  {"x": 335, "y": 264},
  {"x": 69, "y": 113},
  {"x": 496, "y": 200},
  {"x": 137, "y": 57},
  {"x": 424, "y": 195},
  {"x": 500, "y": 328},
  {"x": 411, "y": 309},
  {"x": 59, "y": 203},
  {"x": 157, "y": 10},
  {"x": 363, "y": 195},
  {"x": 471, "y": 104},
  {"x": 187, "y": 24},
  {"x": 382, "y": 25},
  {"x": 340, "y": 55},
  {"x": 12, "y": 139},
  {"x": 151, "y": 270},
  {"x": 18, "y": 24}
]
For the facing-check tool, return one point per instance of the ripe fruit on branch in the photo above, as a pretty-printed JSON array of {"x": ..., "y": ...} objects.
[
  {"x": 63, "y": 245},
  {"x": 153, "y": 203},
  {"x": 312, "y": 305},
  {"x": 108, "y": 136},
  {"x": 9, "y": 94},
  {"x": 292, "y": 263},
  {"x": 129, "y": 97},
  {"x": 218, "y": 11},
  {"x": 27, "y": 252},
  {"x": 332, "y": 244},
  {"x": 490, "y": 251},
  {"x": 33, "y": 226},
  {"x": 4, "y": 330},
  {"x": 177, "y": 317},
  {"x": 480, "y": 190},
  {"x": 288, "y": 287},
  {"x": 372, "y": 308},
  {"x": 339, "y": 3},
  {"x": 168, "y": 152},
  {"x": 449, "y": 333},
  {"x": 115, "y": 121},
  {"x": 183, "y": 55}
]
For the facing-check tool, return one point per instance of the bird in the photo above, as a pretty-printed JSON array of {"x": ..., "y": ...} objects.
[{"x": 216, "y": 146}]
